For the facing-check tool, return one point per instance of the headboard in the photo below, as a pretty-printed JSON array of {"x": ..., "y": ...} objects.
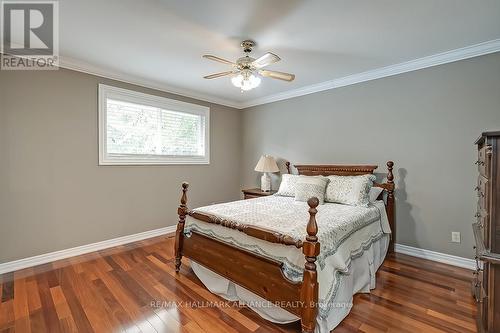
[
  {"x": 356, "y": 170},
  {"x": 340, "y": 170}
]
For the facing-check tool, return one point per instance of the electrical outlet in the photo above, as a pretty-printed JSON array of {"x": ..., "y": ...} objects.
[{"x": 455, "y": 237}]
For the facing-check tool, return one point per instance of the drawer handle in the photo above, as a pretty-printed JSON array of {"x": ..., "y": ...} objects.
[
  {"x": 478, "y": 214},
  {"x": 481, "y": 298},
  {"x": 479, "y": 162},
  {"x": 477, "y": 188}
]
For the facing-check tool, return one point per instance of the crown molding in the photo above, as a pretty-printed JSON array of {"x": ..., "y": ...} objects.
[
  {"x": 404, "y": 67},
  {"x": 467, "y": 52},
  {"x": 83, "y": 67}
]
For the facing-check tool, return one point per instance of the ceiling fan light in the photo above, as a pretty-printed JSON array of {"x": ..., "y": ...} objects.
[
  {"x": 237, "y": 80},
  {"x": 246, "y": 81},
  {"x": 254, "y": 81},
  {"x": 246, "y": 85}
]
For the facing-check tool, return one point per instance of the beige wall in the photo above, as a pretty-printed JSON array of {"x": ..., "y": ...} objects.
[
  {"x": 54, "y": 196},
  {"x": 426, "y": 121}
]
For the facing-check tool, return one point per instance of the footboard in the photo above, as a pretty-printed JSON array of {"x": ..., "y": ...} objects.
[
  {"x": 258, "y": 274},
  {"x": 261, "y": 275}
]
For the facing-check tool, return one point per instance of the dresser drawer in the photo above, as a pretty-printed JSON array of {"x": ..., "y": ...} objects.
[
  {"x": 483, "y": 161},
  {"x": 482, "y": 313},
  {"x": 482, "y": 192},
  {"x": 484, "y": 227},
  {"x": 481, "y": 216},
  {"x": 478, "y": 291}
]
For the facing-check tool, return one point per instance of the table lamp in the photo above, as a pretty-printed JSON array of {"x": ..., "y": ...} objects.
[{"x": 266, "y": 164}]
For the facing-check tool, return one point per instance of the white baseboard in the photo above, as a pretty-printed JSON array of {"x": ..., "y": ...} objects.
[
  {"x": 75, "y": 251},
  {"x": 435, "y": 256}
]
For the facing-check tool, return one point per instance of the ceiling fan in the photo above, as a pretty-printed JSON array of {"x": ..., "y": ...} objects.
[{"x": 246, "y": 71}]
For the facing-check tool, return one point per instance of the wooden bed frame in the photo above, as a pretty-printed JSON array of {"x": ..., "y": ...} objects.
[{"x": 266, "y": 278}]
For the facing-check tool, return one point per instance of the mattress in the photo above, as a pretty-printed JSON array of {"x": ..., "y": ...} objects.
[{"x": 344, "y": 232}]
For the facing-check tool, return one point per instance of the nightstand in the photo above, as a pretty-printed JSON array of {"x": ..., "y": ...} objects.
[{"x": 256, "y": 193}]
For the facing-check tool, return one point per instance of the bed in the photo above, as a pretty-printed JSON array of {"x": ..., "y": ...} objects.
[{"x": 269, "y": 249}]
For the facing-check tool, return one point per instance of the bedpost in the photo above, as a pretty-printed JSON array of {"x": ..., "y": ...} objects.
[
  {"x": 287, "y": 164},
  {"x": 309, "y": 289},
  {"x": 390, "y": 204},
  {"x": 179, "y": 233}
]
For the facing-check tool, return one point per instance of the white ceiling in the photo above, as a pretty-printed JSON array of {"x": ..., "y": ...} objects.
[{"x": 160, "y": 43}]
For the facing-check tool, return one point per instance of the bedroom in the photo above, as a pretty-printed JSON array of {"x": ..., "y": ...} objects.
[{"x": 109, "y": 114}]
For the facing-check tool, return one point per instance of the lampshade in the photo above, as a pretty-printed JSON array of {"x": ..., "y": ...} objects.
[{"x": 266, "y": 164}]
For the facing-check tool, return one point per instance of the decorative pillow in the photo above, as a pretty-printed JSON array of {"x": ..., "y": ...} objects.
[
  {"x": 374, "y": 193},
  {"x": 311, "y": 186},
  {"x": 288, "y": 185},
  {"x": 349, "y": 190}
]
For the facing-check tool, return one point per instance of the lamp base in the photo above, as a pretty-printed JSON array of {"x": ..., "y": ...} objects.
[{"x": 265, "y": 182}]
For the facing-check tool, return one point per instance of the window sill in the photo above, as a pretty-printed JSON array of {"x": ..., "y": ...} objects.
[{"x": 108, "y": 162}]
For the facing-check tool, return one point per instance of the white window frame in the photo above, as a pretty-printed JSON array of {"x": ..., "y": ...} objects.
[{"x": 130, "y": 96}]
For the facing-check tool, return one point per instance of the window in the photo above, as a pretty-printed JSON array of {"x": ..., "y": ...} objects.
[{"x": 136, "y": 128}]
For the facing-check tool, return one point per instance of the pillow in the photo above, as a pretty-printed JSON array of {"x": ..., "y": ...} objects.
[
  {"x": 288, "y": 185},
  {"x": 311, "y": 186},
  {"x": 374, "y": 193},
  {"x": 349, "y": 190}
]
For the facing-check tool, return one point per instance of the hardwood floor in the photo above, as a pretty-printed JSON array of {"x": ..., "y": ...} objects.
[{"x": 126, "y": 289}]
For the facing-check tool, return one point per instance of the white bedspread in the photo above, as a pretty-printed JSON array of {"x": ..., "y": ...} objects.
[{"x": 344, "y": 232}]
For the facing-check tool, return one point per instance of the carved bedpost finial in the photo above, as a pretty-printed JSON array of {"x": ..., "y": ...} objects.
[
  {"x": 312, "y": 227},
  {"x": 185, "y": 186},
  {"x": 287, "y": 164},
  {"x": 179, "y": 233},
  {"x": 390, "y": 175},
  {"x": 309, "y": 289}
]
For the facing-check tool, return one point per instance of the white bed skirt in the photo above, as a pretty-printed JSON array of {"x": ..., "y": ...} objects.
[{"x": 359, "y": 278}]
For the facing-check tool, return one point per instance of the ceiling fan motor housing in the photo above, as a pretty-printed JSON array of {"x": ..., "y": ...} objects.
[
  {"x": 244, "y": 63},
  {"x": 247, "y": 45}
]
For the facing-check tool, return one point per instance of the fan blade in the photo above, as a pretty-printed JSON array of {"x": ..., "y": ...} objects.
[
  {"x": 265, "y": 60},
  {"x": 277, "y": 75},
  {"x": 216, "y": 75},
  {"x": 214, "y": 58}
]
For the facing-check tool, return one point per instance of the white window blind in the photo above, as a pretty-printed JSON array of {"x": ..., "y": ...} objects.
[{"x": 142, "y": 129}]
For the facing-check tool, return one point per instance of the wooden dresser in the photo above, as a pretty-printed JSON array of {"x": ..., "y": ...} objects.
[{"x": 486, "y": 283}]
